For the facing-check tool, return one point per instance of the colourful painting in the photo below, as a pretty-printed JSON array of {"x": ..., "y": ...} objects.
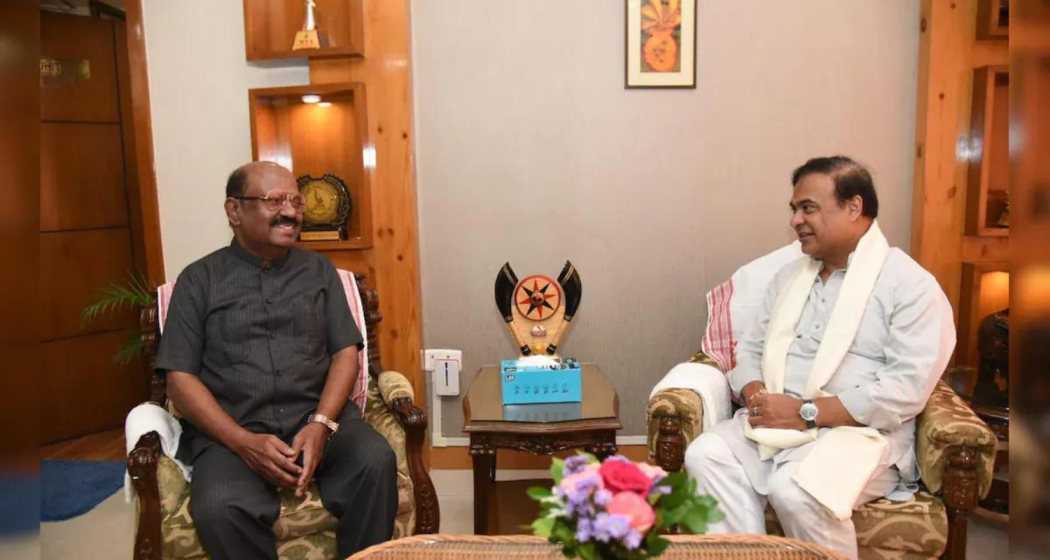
[{"x": 661, "y": 43}]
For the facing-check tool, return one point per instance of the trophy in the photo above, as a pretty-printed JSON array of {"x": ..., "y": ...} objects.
[
  {"x": 327, "y": 208},
  {"x": 310, "y": 37},
  {"x": 538, "y": 309}
]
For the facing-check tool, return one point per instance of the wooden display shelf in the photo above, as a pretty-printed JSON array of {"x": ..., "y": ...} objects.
[
  {"x": 343, "y": 245},
  {"x": 993, "y": 19},
  {"x": 270, "y": 27},
  {"x": 319, "y": 138},
  {"x": 988, "y": 175},
  {"x": 985, "y": 289}
]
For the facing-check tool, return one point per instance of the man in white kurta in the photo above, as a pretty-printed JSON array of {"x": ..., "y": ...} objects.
[{"x": 897, "y": 352}]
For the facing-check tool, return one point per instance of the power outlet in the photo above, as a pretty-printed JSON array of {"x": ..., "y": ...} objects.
[{"x": 445, "y": 365}]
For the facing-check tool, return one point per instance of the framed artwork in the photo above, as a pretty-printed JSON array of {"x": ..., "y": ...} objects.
[{"x": 660, "y": 44}]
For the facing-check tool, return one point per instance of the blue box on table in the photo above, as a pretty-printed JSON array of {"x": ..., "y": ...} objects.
[{"x": 524, "y": 383}]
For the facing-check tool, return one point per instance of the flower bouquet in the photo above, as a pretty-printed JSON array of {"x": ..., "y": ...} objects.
[{"x": 617, "y": 508}]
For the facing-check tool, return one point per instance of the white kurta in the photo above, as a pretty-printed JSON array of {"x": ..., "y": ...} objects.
[{"x": 905, "y": 338}]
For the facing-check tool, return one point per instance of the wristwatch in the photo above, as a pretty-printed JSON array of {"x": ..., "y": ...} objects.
[
  {"x": 808, "y": 411},
  {"x": 322, "y": 419}
]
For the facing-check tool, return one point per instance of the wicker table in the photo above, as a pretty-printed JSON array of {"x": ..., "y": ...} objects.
[
  {"x": 520, "y": 547},
  {"x": 540, "y": 429}
]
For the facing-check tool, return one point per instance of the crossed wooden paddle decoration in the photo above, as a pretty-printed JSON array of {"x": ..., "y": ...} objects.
[{"x": 538, "y": 309}]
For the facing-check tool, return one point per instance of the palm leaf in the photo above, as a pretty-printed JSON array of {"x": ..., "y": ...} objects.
[{"x": 132, "y": 294}]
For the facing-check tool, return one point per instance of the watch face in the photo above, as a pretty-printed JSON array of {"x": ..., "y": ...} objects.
[{"x": 808, "y": 412}]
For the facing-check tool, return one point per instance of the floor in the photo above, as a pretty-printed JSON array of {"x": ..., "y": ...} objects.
[{"x": 108, "y": 531}]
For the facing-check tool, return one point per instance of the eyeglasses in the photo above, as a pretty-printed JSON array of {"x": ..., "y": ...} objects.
[{"x": 275, "y": 203}]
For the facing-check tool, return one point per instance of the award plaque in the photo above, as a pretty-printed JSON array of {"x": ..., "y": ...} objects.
[
  {"x": 327, "y": 208},
  {"x": 310, "y": 37},
  {"x": 538, "y": 308}
]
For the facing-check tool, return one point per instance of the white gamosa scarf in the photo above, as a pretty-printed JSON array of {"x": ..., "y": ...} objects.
[{"x": 844, "y": 458}]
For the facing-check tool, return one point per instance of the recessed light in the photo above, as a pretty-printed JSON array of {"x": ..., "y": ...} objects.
[{"x": 311, "y": 98}]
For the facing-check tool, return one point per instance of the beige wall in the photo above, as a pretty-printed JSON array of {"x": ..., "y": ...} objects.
[
  {"x": 199, "y": 83},
  {"x": 530, "y": 150}
]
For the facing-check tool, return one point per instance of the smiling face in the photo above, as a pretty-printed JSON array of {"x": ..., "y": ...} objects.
[
  {"x": 264, "y": 231},
  {"x": 828, "y": 229}
]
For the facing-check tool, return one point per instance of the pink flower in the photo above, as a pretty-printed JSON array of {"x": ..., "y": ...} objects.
[
  {"x": 621, "y": 476},
  {"x": 635, "y": 507},
  {"x": 652, "y": 471}
]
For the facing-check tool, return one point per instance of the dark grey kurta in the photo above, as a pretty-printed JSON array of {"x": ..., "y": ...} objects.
[{"x": 261, "y": 337}]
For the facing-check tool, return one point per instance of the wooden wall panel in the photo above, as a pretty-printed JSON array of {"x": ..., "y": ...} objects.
[
  {"x": 71, "y": 39},
  {"x": 74, "y": 268},
  {"x": 939, "y": 199},
  {"x": 81, "y": 176},
  {"x": 386, "y": 73},
  {"x": 137, "y": 116},
  {"x": 19, "y": 197},
  {"x": 82, "y": 390}
]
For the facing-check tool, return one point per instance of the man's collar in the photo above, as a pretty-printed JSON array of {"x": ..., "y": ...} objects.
[{"x": 255, "y": 260}]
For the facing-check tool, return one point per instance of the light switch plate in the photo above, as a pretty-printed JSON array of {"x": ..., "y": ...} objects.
[{"x": 445, "y": 365}]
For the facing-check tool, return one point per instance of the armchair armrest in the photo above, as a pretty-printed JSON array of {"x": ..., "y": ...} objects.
[
  {"x": 674, "y": 421},
  {"x": 396, "y": 392},
  {"x": 954, "y": 447},
  {"x": 142, "y": 468},
  {"x": 394, "y": 385}
]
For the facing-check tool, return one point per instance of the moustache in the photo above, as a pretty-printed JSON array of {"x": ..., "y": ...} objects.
[{"x": 282, "y": 220}]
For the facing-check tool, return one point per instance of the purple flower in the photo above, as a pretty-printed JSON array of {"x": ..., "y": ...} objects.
[
  {"x": 632, "y": 540},
  {"x": 661, "y": 490},
  {"x": 583, "y": 529},
  {"x": 611, "y": 527},
  {"x": 602, "y": 497},
  {"x": 574, "y": 464}
]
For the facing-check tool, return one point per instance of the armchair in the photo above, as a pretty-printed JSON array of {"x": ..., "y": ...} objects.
[
  {"x": 955, "y": 449},
  {"x": 304, "y": 529}
]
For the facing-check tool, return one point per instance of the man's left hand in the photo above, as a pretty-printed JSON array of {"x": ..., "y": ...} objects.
[
  {"x": 773, "y": 410},
  {"x": 310, "y": 441}
]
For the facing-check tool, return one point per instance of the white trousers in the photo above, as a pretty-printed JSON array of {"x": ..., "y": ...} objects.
[{"x": 717, "y": 471}]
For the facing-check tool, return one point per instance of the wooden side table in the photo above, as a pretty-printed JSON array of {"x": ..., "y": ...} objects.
[{"x": 542, "y": 429}]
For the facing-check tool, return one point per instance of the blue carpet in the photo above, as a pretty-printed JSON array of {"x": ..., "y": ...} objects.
[{"x": 70, "y": 488}]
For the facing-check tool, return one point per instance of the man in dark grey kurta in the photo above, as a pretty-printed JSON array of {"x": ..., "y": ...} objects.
[{"x": 260, "y": 353}]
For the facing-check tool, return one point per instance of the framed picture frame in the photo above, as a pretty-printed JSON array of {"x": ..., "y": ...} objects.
[{"x": 660, "y": 44}]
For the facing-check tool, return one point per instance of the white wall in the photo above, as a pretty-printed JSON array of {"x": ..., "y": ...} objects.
[
  {"x": 199, "y": 82},
  {"x": 530, "y": 150}
]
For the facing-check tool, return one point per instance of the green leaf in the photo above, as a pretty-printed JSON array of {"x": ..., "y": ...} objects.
[
  {"x": 538, "y": 493},
  {"x": 588, "y": 551},
  {"x": 655, "y": 544},
  {"x": 542, "y": 527},
  {"x": 696, "y": 521},
  {"x": 557, "y": 468}
]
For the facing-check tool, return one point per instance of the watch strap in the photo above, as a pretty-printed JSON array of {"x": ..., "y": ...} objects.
[{"x": 326, "y": 421}]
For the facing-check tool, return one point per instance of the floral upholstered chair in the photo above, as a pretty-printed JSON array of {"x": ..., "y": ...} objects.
[
  {"x": 304, "y": 529},
  {"x": 955, "y": 449}
]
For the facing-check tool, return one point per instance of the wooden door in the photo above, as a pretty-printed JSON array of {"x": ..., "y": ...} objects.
[{"x": 87, "y": 228}]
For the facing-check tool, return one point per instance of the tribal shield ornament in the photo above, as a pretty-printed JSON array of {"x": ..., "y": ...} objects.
[{"x": 538, "y": 308}]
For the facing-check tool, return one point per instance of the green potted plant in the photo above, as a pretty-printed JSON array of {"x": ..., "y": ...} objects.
[{"x": 133, "y": 293}]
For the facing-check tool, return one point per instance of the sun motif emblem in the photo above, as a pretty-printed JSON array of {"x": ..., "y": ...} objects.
[{"x": 537, "y": 297}]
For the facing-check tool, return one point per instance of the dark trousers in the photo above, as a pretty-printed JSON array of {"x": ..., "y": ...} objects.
[{"x": 234, "y": 509}]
